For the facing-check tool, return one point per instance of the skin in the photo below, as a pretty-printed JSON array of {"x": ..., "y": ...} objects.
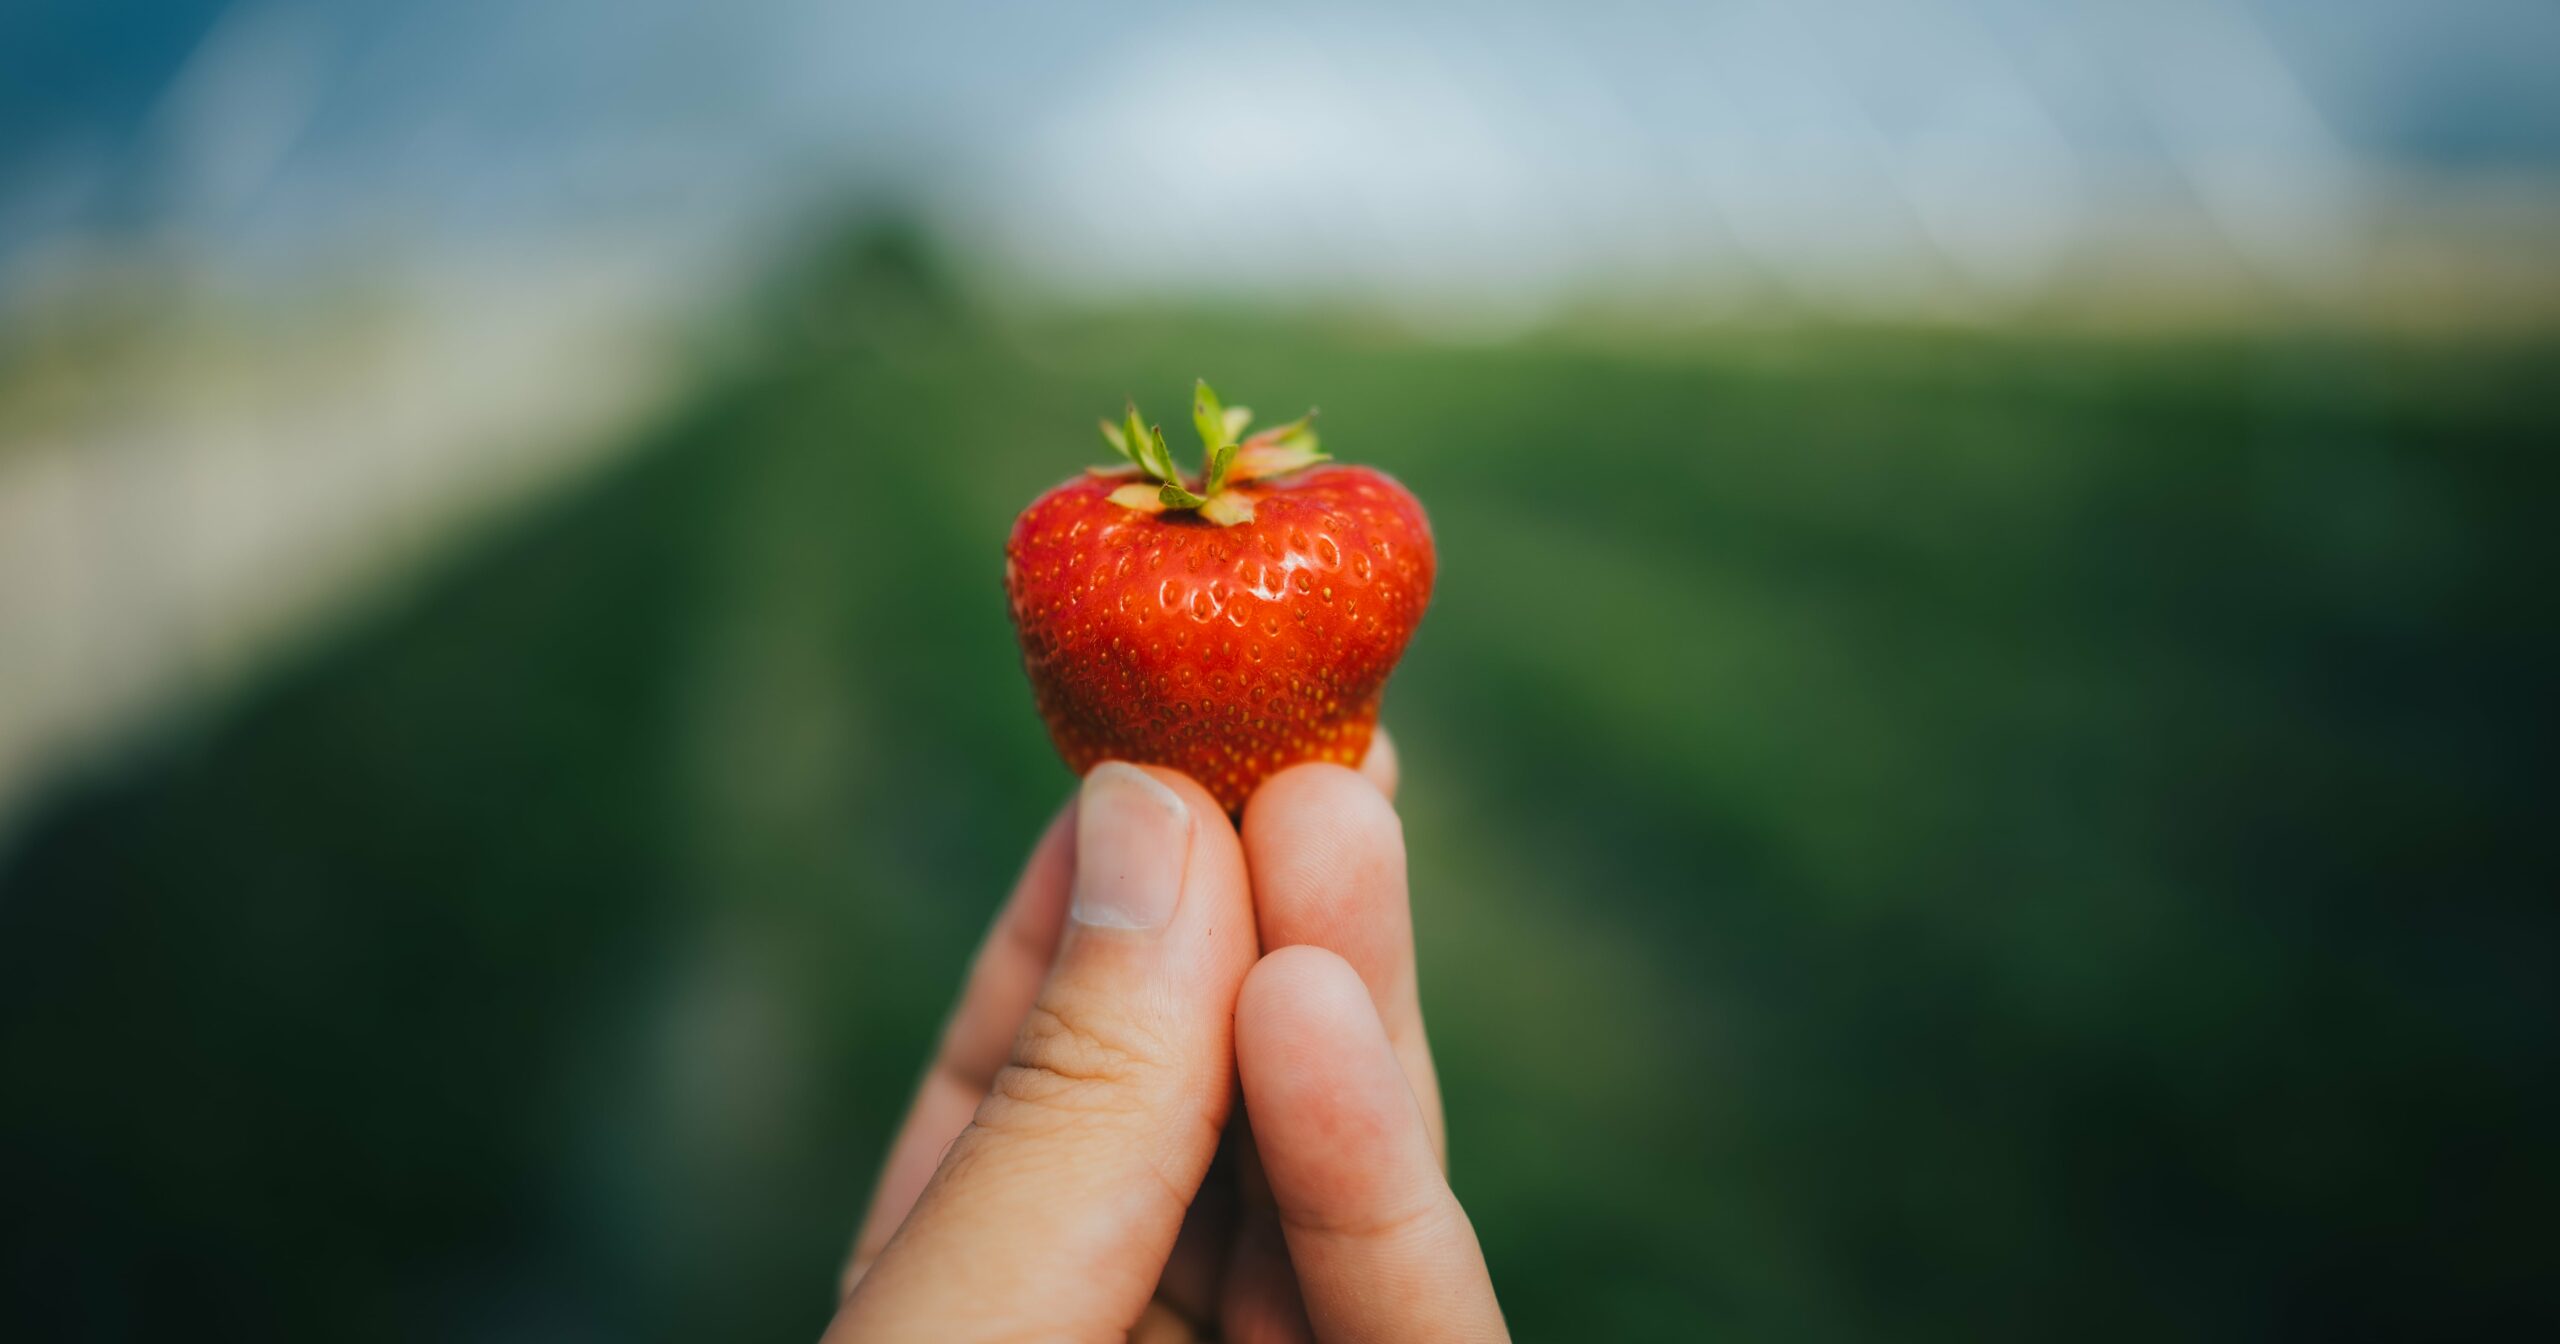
[{"x": 1214, "y": 1122}]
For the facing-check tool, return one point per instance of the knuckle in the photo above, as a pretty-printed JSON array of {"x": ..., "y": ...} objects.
[
  {"x": 1396, "y": 1225},
  {"x": 1067, "y": 1066}
]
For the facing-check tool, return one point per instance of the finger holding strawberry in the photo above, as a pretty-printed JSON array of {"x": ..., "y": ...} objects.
[{"x": 1058, "y": 1175}]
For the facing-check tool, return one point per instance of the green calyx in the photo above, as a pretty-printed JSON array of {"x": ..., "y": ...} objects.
[{"x": 1226, "y": 459}]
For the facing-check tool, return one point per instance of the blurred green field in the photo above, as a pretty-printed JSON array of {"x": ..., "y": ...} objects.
[{"x": 1918, "y": 834}]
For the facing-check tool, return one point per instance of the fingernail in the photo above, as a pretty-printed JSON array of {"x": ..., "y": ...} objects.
[{"x": 1133, "y": 839}]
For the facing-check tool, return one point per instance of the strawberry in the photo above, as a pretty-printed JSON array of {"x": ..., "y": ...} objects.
[{"x": 1227, "y": 625}]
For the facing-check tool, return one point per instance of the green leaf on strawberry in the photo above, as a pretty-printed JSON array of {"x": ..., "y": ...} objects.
[{"x": 1227, "y": 458}]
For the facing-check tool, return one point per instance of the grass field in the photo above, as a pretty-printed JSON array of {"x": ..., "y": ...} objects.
[{"x": 1918, "y": 834}]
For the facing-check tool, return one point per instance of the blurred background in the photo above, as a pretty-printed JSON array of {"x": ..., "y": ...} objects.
[{"x": 1981, "y": 767}]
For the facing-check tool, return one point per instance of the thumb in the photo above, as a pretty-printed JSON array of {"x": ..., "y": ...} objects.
[{"x": 1054, "y": 1211}]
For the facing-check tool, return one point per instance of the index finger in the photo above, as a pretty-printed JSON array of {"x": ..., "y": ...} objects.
[
  {"x": 1380, "y": 1247},
  {"x": 1326, "y": 850}
]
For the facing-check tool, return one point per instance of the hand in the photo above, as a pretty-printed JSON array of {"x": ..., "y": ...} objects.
[{"x": 1061, "y": 1174}]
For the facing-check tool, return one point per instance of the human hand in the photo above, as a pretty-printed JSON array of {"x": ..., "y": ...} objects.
[{"x": 1061, "y": 1174}]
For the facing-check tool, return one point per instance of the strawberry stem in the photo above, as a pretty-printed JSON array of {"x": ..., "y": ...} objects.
[{"x": 1226, "y": 459}]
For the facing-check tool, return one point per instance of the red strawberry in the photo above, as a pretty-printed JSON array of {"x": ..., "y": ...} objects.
[{"x": 1229, "y": 625}]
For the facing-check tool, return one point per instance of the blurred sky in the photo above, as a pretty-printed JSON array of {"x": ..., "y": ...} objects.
[{"x": 1853, "y": 154}]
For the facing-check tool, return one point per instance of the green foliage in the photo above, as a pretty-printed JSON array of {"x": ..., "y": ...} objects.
[{"x": 2006, "y": 836}]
